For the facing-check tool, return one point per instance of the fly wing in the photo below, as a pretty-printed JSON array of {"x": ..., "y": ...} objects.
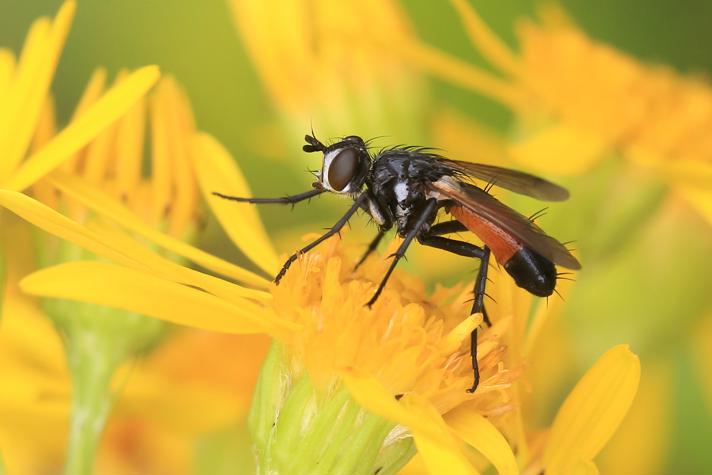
[
  {"x": 486, "y": 206},
  {"x": 519, "y": 182}
]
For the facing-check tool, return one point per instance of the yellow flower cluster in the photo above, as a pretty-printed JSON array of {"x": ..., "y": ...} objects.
[
  {"x": 578, "y": 101},
  {"x": 402, "y": 366}
]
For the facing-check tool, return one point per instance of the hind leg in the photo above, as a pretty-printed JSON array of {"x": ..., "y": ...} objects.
[{"x": 466, "y": 249}]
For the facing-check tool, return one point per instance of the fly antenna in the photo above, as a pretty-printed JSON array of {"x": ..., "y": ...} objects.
[{"x": 313, "y": 144}]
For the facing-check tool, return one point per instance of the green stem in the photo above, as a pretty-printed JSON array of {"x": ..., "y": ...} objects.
[{"x": 92, "y": 368}]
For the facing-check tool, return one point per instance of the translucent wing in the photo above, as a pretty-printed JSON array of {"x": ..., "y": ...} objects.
[
  {"x": 487, "y": 207},
  {"x": 519, "y": 182}
]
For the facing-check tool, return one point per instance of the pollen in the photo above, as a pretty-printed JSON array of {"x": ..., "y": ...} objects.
[{"x": 412, "y": 342}]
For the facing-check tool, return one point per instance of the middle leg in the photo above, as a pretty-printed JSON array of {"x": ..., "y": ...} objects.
[{"x": 371, "y": 247}]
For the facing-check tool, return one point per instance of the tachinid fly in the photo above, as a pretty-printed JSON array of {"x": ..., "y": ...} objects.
[{"x": 407, "y": 187}]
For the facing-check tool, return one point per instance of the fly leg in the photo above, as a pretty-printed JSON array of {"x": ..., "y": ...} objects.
[
  {"x": 371, "y": 247},
  {"x": 293, "y": 199},
  {"x": 424, "y": 215},
  {"x": 447, "y": 227},
  {"x": 334, "y": 230},
  {"x": 466, "y": 249},
  {"x": 478, "y": 306},
  {"x": 454, "y": 226}
]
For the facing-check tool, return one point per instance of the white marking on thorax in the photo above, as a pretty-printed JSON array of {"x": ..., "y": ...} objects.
[{"x": 402, "y": 192}]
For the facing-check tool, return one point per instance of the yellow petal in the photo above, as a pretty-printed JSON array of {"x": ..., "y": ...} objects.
[
  {"x": 693, "y": 181},
  {"x": 106, "y": 206},
  {"x": 467, "y": 139},
  {"x": 126, "y": 251},
  {"x": 484, "y": 39},
  {"x": 30, "y": 87},
  {"x": 441, "y": 454},
  {"x": 98, "y": 156},
  {"x": 560, "y": 149},
  {"x": 46, "y": 125},
  {"x": 370, "y": 394},
  {"x": 482, "y": 435},
  {"x": 440, "y": 451},
  {"x": 593, "y": 411},
  {"x": 93, "y": 90},
  {"x": 584, "y": 468},
  {"x": 163, "y": 267},
  {"x": 461, "y": 73},
  {"x": 217, "y": 171},
  {"x": 180, "y": 130},
  {"x": 161, "y": 151},
  {"x": 699, "y": 199},
  {"x": 442, "y": 459},
  {"x": 129, "y": 146},
  {"x": 128, "y": 289},
  {"x": 453, "y": 340},
  {"x": 28, "y": 335},
  {"x": 642, "y": 444},
  {"x": 52, "y": 222},
  {"x": 116, "y": 102}
]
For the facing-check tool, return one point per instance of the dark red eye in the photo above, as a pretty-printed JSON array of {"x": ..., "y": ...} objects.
[{"x": 343, "y": 168}]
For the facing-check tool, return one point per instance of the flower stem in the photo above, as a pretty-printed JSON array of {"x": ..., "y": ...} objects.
[{"x": 92, "y": 368}]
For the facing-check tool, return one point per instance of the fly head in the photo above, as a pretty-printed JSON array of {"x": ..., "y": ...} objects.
[{"x": 345, "y": 165}]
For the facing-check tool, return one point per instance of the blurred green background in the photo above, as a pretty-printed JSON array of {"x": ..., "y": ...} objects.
[{"x": 647, "y": 272}]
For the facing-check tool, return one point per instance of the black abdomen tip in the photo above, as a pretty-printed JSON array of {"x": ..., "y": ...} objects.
[{"x": 532, "y": 272}]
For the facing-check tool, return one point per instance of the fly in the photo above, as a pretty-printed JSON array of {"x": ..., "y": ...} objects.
[{"x": 407, "y": 187}]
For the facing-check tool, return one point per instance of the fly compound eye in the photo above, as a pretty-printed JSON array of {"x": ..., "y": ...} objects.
[{"x": 343, "y": 168}]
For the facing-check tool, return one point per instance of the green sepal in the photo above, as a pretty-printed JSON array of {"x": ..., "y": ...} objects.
[{"x": 298, "y": 428}]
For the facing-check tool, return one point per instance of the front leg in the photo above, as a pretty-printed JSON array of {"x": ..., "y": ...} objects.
[
  {"x": 293, "y": 199},
  {"x": 334, "y": 229},
  {"x": 423, "y": 217}
]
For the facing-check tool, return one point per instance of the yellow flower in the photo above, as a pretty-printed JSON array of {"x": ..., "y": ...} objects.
[
  {"x": 578, "y": 100},
  {"x": 147, "y": 433},
  {"x": 24, "y": 95},
  {"x": 316, "y": 64},
  {"x": 396, "y": 373},
  {"x": 24, "y": 86}
]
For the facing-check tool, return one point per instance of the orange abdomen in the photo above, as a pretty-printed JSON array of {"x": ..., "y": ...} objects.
[{"x": 502, "y": 244}]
